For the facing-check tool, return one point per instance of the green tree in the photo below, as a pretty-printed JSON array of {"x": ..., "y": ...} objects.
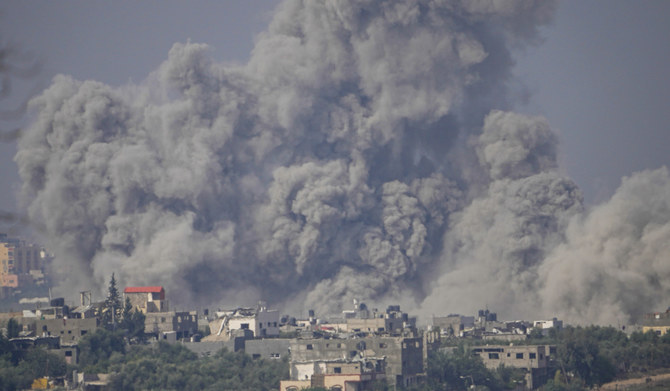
[
  {"x": 13, "y": 328},
  {"x": 458, "y": 369},
  {"x": 132, "y": 321},
  {"x": 112, "y": 309},
  {"x": 579, "y": 353},
  {"x": 95, "y": 349},
  {"x": 166, "y": 366}
]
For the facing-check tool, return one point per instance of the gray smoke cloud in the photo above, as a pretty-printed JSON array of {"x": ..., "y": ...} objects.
[{"x": 367, "y": 150}]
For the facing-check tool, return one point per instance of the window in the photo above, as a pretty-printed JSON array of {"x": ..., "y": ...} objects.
[
  {"x": 83, "y": 332},
  {"x": 162, "y": 320},
  {"x": 519, "y": 355},
  {"x": 531, "y": 356},
  {"x": 382, "y": 345},
  {"x": 337, "y": 370},
  {"x": 309, "y": 346},
  {"x": 255, "y": 356},
  {"x": 336, "y": 388},
  {"x": 244, "y": 326},
  {"x": 68, "y": 353},
  {"x": 69, "y": 331},
  {"x": 493, "y": 356}
]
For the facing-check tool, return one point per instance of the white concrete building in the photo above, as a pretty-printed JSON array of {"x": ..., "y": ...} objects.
[{"x": 261, "y": 321}]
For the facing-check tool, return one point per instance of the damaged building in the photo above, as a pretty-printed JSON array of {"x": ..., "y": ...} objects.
[
  {"x": 260, "y": 322},
  {"x": 403, "y": 357},
  {"x": 160, "y": 321}
]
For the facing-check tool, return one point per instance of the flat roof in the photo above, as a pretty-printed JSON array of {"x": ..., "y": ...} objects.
[{"x": 143, "y": 289}]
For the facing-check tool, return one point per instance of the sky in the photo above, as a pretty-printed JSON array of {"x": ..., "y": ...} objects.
[
  {"x": 599, "y": 76},
  {"x": 336, "y": 155}
]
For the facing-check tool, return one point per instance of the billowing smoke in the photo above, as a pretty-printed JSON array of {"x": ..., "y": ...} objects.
[{"x": 366, "y": 150}]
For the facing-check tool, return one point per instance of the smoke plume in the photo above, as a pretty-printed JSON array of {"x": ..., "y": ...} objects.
[{"x": 366, "y": 150}]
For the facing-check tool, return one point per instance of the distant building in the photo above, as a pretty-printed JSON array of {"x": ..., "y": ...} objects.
[
  {"x": 657, "y": 322},
  {"x": 548, "y": 324},
  {"x": 532, "y": 358},
  {"x": 159, "y": 320},
  {"x": 146, "y": 298},
  {"x": 260, "y": 321},
  {"x": 403, "y": 357},
  {"x": 453, "y": 324},
  {"x": 339, "y": 375},
  {"x": 20, "y": 263},
  {"x": 391, "y": 321},
  {"x": 268, "y": 348},
  {"x": 162, "y": 324},
  {"x": 69, "y": 330}
]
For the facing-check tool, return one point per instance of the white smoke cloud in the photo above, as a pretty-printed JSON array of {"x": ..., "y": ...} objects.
[{"x": 366, "y": 150}]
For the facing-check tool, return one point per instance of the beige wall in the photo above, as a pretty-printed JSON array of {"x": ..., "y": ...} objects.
[
  {"x": 69, "y": 330},
  {"x": 531, "y": 356},
  {"x": 660, "y": 330},
  {"x": 286, "y": 385}
]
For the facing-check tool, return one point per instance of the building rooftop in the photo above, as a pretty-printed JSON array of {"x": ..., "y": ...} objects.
[{"x": 143, "y": 289}]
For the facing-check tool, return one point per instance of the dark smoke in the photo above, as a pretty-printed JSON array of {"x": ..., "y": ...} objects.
[{"x": 365, "y": 151}]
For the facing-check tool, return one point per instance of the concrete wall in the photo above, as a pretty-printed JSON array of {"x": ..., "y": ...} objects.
[
  {"x": 69, "y": 330},
  {"x": 528, "y": 357},
  {"x": 274, "y": 348},
  {"x": 184, "y": 323},
  {"x": 264, "y": 323},
  {"x": 404, "y": 356}
]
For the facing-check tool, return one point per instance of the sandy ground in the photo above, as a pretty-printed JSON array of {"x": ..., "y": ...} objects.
[{"x": 624, "y": 384}]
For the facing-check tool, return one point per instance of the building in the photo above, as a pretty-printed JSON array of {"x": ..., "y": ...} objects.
[
  {"x": 533, "y": 358},
  {"x": 21, "y": 265},
  {"x": 163, "y": 324},
  {"x": 404, "y": 357},
  {"x": 339, "y": 375},
  {"x": 548, "y": 324},
  {"x": 18, "y": 257},
  {"x": 391, "y": 321},
  {"x": 260, "y": 321},
  {"x": 69, "y": 330},
  {"x": 268, "y": 348},
  {"x": 146, "y": 298},
  {"x": 453, "y": 324},
  {"x": 657, "y": 322},
  {"x": 159, "y": 320}
]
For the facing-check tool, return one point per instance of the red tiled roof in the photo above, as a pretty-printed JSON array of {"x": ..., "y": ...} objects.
[{"x": 143, "y": 289}]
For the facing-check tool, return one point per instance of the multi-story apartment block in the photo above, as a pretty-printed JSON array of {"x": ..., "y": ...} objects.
[
  {"x": 533, "y": 358},
  {"x": 404, "y": 357},
  {"x": 657, "y": 322},
  {"x": 159, "y": 320},
  {"x": 261, "y": 321}
]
